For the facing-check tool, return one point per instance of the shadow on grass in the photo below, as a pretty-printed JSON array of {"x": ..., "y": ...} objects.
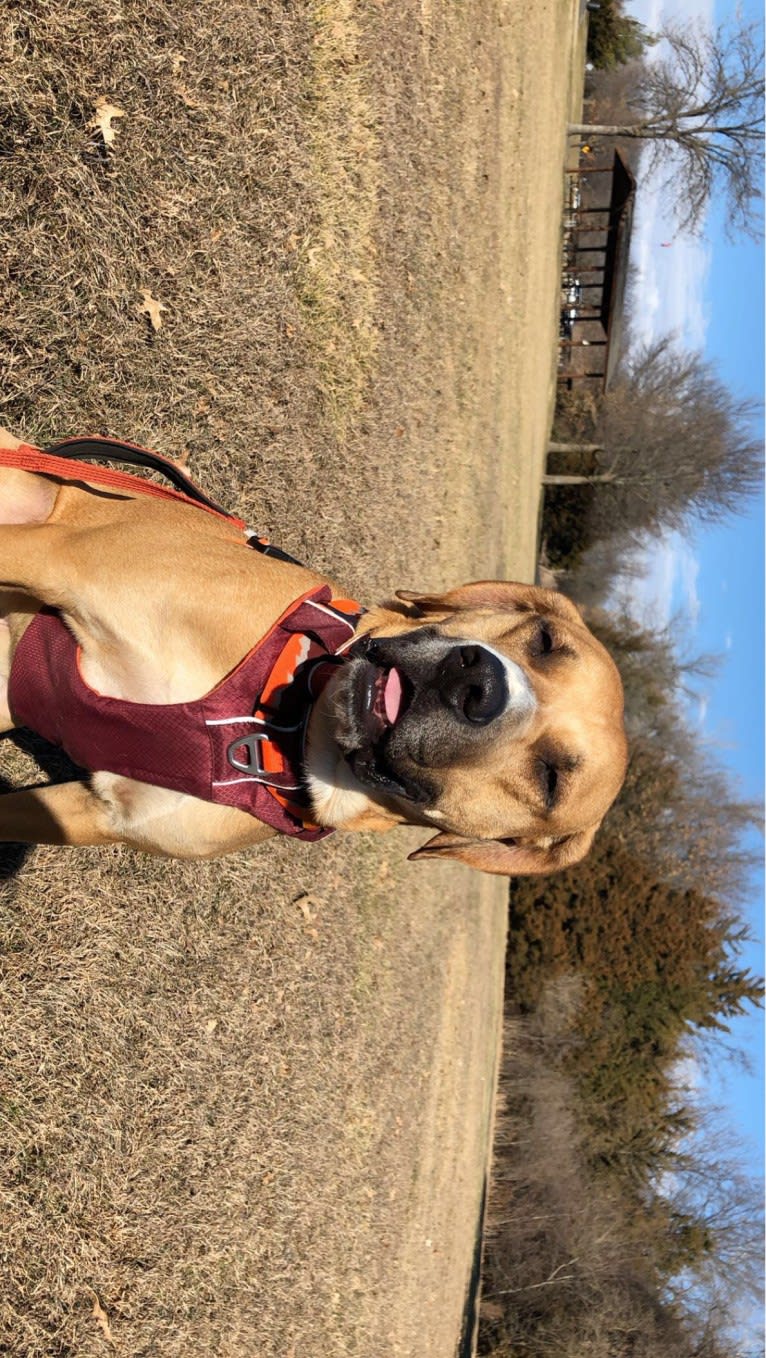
[
  {"x": 468, "y": 1329},
  {"x": 53, "y": 762}
]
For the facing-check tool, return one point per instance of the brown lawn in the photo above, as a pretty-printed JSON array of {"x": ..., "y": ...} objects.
[{"x": 245, "y": 1106}]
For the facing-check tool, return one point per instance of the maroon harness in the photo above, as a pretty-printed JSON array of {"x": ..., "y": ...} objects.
[{"x": 242, "y": 744}]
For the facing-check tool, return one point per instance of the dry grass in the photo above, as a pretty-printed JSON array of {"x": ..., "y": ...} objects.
[
  {"x": 246, "y": 1105},
  {"x": 338, "y": 280}
]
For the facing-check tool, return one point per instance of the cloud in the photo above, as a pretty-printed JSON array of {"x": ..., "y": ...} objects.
[
  {"x": 671, "y": 270},
  {"x": 667, "y": 586},
  {"x": 687, "y": 1074},
  {"x": 654, "y": 13},
  {"x": 687, "y": 579},
  {"x": 703, "y": 703},
  {"x": 670, "y": 290}
]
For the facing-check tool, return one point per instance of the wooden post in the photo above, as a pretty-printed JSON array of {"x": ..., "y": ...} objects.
[{"x": 577, "y": 377}]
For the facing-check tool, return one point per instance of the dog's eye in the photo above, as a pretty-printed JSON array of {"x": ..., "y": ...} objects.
[{"x": 544, "y": 641}]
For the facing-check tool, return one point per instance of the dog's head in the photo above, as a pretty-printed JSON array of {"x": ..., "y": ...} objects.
[{"x": 490, "y": 713}]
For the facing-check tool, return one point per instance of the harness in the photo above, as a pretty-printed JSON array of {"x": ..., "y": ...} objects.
[{"x": 243, "y": 743}]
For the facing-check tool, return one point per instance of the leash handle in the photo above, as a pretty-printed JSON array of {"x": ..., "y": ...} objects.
[
  {"x": 93, "y": 449},
  {"x": 90, "y": 450}
]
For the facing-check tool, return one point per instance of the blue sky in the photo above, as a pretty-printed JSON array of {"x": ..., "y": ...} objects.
[{"x": 710, "y": 292}]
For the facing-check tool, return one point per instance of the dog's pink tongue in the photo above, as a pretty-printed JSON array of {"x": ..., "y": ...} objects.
[{"x": 392, "y": 696}]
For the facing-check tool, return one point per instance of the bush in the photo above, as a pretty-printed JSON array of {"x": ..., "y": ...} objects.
[
  {"x": 614, "y": 39},
  {"x": 565, "y": 525}
]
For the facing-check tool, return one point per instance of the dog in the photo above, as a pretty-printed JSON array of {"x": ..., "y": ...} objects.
[{"x": 489, "y": 714}]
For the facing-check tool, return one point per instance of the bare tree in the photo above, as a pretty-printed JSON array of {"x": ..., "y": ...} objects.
[
  {"x": 580, "y": 1263},
  {"x": 711, "y": 1195},
  {"x": 670, "y": 442},
  {"x": 679, "y": 811},
  {"x": 699, "y": 109}
]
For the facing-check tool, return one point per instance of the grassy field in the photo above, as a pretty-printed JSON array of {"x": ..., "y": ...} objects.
[{"x": 245, "y": 1106}]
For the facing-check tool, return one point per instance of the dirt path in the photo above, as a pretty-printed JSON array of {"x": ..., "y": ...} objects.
[
  {"x": 245, "y": 1106},
  {"x": 475, "y": 305}
]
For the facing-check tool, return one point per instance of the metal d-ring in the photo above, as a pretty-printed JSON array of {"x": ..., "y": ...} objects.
[{"x": 253, "y": 763}]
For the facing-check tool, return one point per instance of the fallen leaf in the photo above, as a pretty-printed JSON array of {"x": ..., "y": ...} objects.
[
  {"x": 308, "y": 905},
  {"x": 151, "y": 308},
  {"x": 101, "y": 1318},
  {"x": 105, "y": 113}
]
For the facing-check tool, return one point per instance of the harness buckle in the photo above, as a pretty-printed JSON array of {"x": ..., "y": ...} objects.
[{"x": 251, "y": 742}]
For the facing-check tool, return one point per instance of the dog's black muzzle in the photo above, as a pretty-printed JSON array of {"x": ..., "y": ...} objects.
[
  {"x": 448, "y": 693},
  {"x": 466, "y": 677}
]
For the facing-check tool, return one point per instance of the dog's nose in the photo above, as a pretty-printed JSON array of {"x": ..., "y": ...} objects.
[{"x": 472, "y": 683}]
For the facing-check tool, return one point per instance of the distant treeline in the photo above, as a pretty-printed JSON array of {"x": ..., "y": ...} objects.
[
  {"x": 618, "y": 1226},
  {"x": 621, "y": 1225}
]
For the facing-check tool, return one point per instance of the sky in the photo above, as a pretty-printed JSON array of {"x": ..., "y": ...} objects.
[{"x": 711, "y": 293}]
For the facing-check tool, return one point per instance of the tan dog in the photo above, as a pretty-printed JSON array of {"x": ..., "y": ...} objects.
[{"x": 490, "y": 713}]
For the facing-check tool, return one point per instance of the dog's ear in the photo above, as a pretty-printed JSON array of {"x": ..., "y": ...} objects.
[
  {"x": 493, "y": 596},
  {"x": 510, "y": 857}
]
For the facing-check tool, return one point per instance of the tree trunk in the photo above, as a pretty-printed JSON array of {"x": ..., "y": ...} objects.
[
  {"x": 614, "y": 130},
  {"x": 575, "y": 448},
  {"x": 554, "y": 479}
]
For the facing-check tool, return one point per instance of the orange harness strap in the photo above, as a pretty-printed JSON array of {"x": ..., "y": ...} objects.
[{"x": 30, "y": 459}]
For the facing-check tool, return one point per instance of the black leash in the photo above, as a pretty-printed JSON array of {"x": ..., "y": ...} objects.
[{"x": 114, "y": 450}]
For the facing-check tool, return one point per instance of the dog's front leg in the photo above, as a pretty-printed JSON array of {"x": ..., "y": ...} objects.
[
  {"x": 57, "y": 813},
  {"x": 37, "y": 560}
]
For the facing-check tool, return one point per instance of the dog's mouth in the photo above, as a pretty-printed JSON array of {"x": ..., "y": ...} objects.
[
  {"x": 385, "y": 699},
  {"x": 378, "y": 697}
]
